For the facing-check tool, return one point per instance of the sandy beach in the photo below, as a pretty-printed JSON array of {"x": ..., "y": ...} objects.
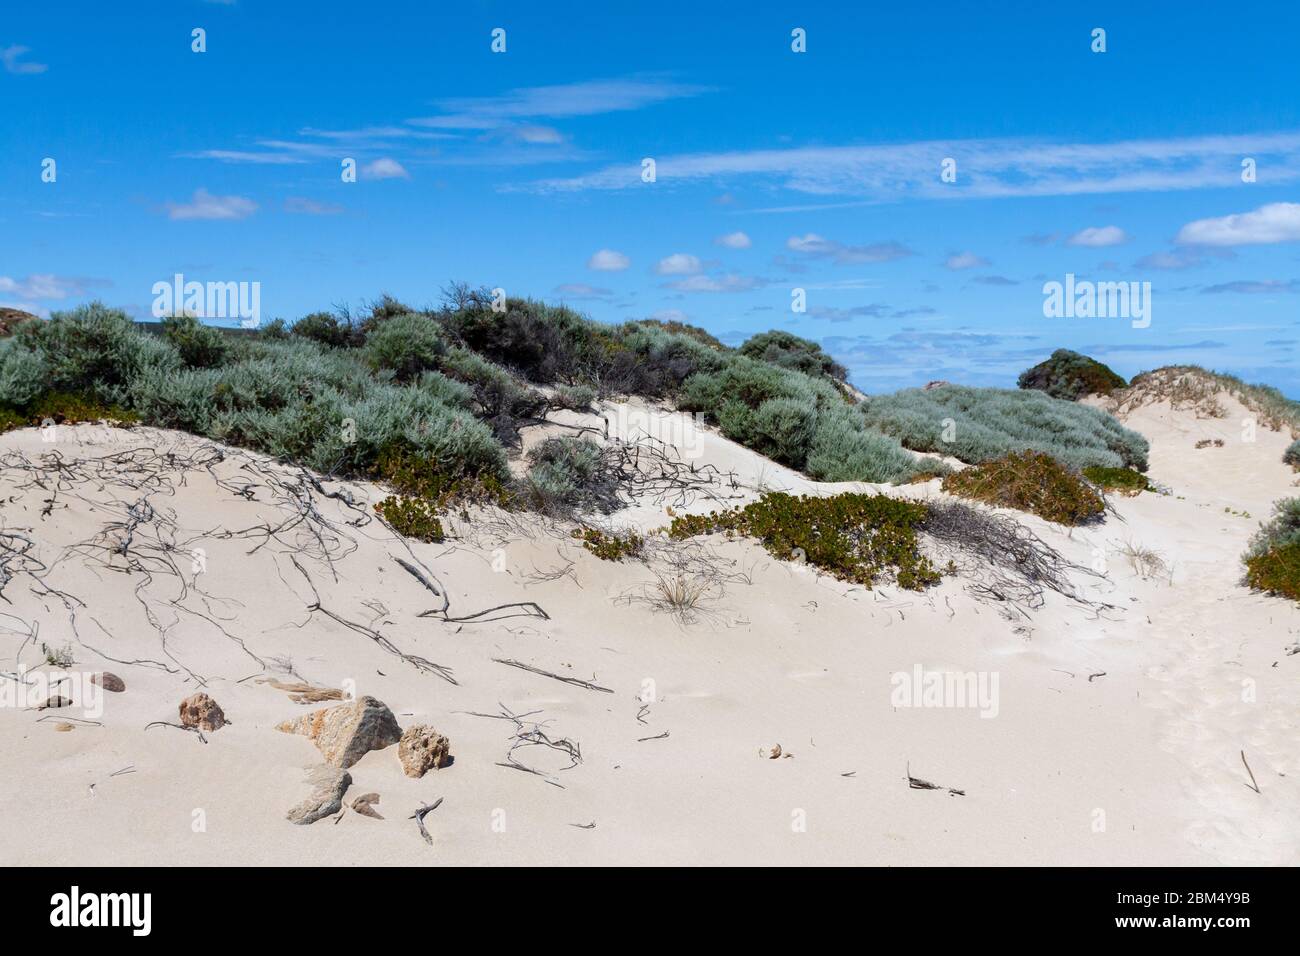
[{"x": 1155, "y": 723}]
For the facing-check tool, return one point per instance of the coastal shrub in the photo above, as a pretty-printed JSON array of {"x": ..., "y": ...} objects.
[
  {"x": 609, "y": 545},
  {"x": 1282, "y": 528},
  {"x": 1272, "y": 558},
  {"x": 325, "y": 328},
  {"x": 981, "y": 424},
  {"x": 675, "y": 327},
  {"x": 842, "y": 450},
  {"x": 497, "y": 396},
  {"x": 1292, "y": 455},
  {"x": 790, "y": 351},
  {"x": 569, "y": 474},
  {"x": 854, "y": 537},
  {"x": 412, "y": 518},
  {"x": 578, "y": 398},
  {"x": 199, "y": 345},
  {"x": 406, "y": 344},
  {"x": 96, "y": 351},
  {"x": 1124, "y": 480},
  {"x": 1070, "y": 376},
  {"x": 1276, "y": 571},
  {"x": 1029, "y": 481},
  {"x": 24, "y": 372}
]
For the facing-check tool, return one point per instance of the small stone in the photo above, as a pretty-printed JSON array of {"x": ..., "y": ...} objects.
[
  {"x": 421, "y": 749},
  {"x": 364, "y": 805},
  {"x": 202, "y": 712},
  {"x": 108, "y": 681},
  {"x": 55, "y": 700},
  {"x": 346, "y": 733},
  {"x": 63, "y": 726},
  {"x": 328, "y": 786}
]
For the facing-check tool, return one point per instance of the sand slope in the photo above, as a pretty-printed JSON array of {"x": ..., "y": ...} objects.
[{"x": 1117, "y": 738}]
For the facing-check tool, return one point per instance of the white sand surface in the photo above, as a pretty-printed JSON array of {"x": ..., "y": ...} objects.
[{"x": 1118, "y": 735}]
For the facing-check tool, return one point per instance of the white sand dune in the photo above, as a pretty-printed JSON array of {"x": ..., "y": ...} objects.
[{"x": 1118, "y": 736}]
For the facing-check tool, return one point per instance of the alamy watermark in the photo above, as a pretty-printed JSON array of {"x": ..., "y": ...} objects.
[
  {"x": 209, "y": 300},
  {"x": 946, "y": 689},
  {"x": 1098, "y": 300}
]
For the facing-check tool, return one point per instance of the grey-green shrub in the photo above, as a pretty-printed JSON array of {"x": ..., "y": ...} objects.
[
  {"x": 405, "y": 344},
  {"x": 987, "y": 423},
  {"x": 1282, "y": 529},
  {"x": 567, "y": 474},
  {"x": 95, "y": 350},
  {"x": 1292, "y": 454},
  {"x": 577, "y": 398},
  {"x": 842, "y": 450},
  {"x": 24, "y": 373}
]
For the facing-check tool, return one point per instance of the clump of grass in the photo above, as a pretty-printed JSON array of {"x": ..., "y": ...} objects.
[
  {"x": 58, "y": 656},
  {"x": 609, "y": 545},
  {"x": 1070, "y": 376},
  {"x": 1124, "y": 480},
  {"x": 1029, "y": 481},
  {"x": 1292, "y": 455},
  {"x": 1210, "y": 443},
  {"x": 854, "y": 537},
  {"x": 1198, "y": 389},
  {"x": 1147, "y": 562}
]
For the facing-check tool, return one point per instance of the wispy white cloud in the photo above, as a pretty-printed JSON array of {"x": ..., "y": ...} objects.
[
  {"x": 1255, "y": 287},
  {"x": 729, "y": 282},
  {"x": 608, "y": 260},
  {"x": 384, "y": 168},
  {"x": 679, "y": 264},
  {"x": 580, "y": 290},
  {"x": 49, "y": 286},
  {"x": 987, "y": 168},
  {"x": 1275, "y": 222},
  {"x": 204, "y": 205},
  {"x": 588, "y": 98},
  {"x": 734, "y": 240},
  {"x": 10, "y": 57},
  {"x": 818, "y": 247},
  {"x": 311, "y": 207},
  {"x": 965, "y": 260},
  {"x": 1098, "y": 237}
]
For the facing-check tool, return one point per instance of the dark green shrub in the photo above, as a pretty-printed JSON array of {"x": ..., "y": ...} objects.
[
  {"x": 1276, "y": 571},
  {"x": 199, "y": 345},
  {"x": 854, "y": 537},
  {"x": 412, "y": 518},
  {"x": 609, "y": 546},
  {"x": 1124, "y": 480},
  {"x": 789, "y": 351},
  {"x": 325, "y": 328},
  {"x": 1029, "y": 481},
  {"x": 1071, "y": 376}
]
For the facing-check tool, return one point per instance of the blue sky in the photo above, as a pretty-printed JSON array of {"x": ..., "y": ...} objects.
[{"x": 775, "y": 170}]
